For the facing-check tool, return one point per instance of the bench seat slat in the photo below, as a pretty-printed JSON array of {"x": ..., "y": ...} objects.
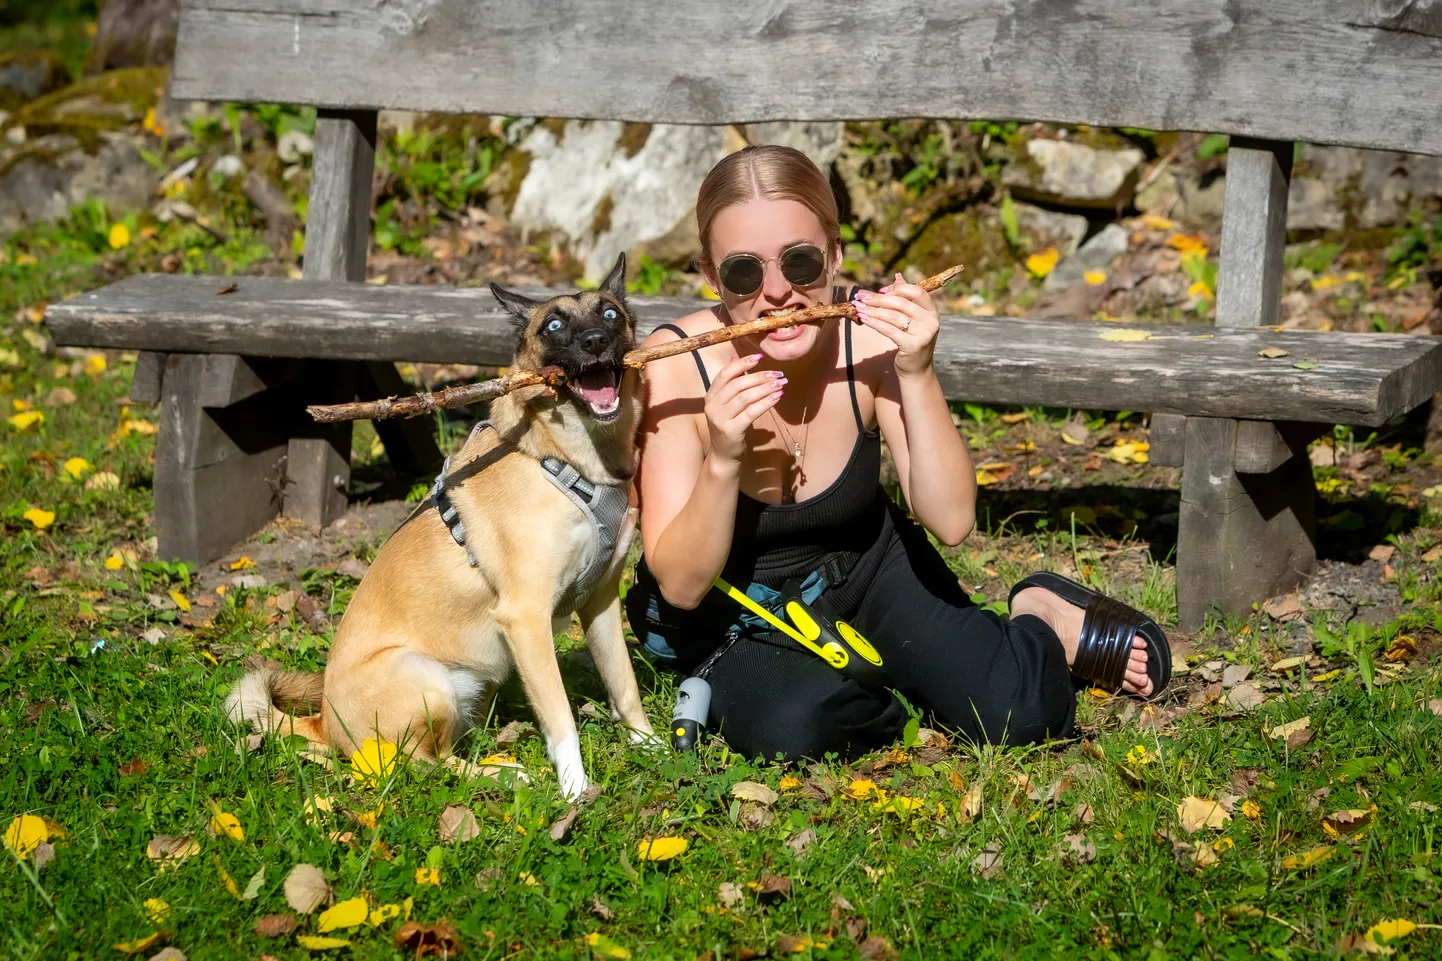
[
  {"x": 1365, "y": 74},
  {"x": 1362, "y": 379}
]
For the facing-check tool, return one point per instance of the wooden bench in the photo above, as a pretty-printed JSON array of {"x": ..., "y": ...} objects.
[{"x": 232, "y": 373}]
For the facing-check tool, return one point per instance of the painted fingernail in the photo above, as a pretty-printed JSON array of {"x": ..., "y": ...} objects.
[
  {"x": 861, "y": 295},
  {"x": 776, "y": 373},
  {"x": 783, "y": 380}
]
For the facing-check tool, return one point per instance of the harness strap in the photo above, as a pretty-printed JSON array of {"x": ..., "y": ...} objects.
[{"x": 448, "y": 512}]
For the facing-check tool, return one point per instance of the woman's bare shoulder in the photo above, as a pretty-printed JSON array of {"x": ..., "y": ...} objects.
[
  {"x": 676, "y": 376},
  {"x": 693, "y": 324}
]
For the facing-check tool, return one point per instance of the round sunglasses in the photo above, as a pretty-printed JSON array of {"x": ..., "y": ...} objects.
[{"x": 801, "y": 264}]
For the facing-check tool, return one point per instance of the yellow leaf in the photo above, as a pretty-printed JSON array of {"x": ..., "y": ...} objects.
[
  {"x": 1139, "y": 755},
  {"x": 605, "y": 947},
  {"x": 10, "y": 358},
  {"x": 114, "y": 562},
  {"x": 225, "y": 878},
  {"x": 26, "y": 833},
  {"x": 139, "y": 944},
  {"x": 1095, "y": 277},
  {"x": 242, "y": 564},
  {"x": 661, "y": 849},
  {"x": 529, "y": 879},
  {"x": 1223, "y": 844},
  {"x": 1251, "y": 810},
  {"x": 1196, "y": 813},
  {"x": 898, "y": 805},
  {"x": 430, "y": 876},
  {"x": 1390, "y": 930},
  {"x": 143, "y": 427},
  {"x": 384, "y": 913},
  {"x": 1287, "y": 663},
  {"x": 95, "y": 363},
  {"x": 41, "y": 519},
  {"x": 179, "y": 600},
  {"x": 313, "y": 942},
  {"x": 119, "y": 236},
  {"x": 223, "y": 822},
  {"x": 1153, "y": 222},
  {"x": 1348, "y": 822},
  {"x": 169, "y": 850},
  {"x": 1201, "y": 289},
  {"x": 1307, "y": 859},
  {"x": 103, "y": 481},
  {"x": 375, "y": 760},
  {"x": 788, "y": 783},
  {"x": 76, "y": 466},
  {"x": 1125, "y": 335},
  {"x": 26, "y": 419},
  {"x": 156, "y": 910},
  {"x": 985, "y": 478},
  {"x": 1039, "y": 265},
  {"x": 1188, "y": 244},
  {"x": 859, "y": 788},
  {"x": 345, "y": 914},
  {"x": 25, "y": 260}
]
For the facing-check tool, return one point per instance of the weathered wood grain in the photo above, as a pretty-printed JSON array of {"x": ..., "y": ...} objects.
[
  {"x": 1167, "y": 435},
  {"x": 1362, "y": 379},
  {"x": 1254, "y": 233},
  {"x": 1241, "y": 537},
  {"x": 1362, "y": 72},
  {"x": 1264, "y": 445},
  {"x": 145, "y": 382}
]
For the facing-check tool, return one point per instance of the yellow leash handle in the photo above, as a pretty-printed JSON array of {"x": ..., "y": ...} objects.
[{"x": 805, "y": 630}]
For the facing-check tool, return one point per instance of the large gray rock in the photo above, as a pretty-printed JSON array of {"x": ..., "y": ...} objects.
[
  {"x": 1071, "y": 174},
  {"x": 1336, "y": 188},
  {"x": 819, "y": 141},
  {"x": 1096, "y": 254},
  {"x": 55, "y": 173},
  {"x": 1049, "y": 228}
]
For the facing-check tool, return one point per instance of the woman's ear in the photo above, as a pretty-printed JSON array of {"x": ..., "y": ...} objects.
[{"x": 708, "y": 271}]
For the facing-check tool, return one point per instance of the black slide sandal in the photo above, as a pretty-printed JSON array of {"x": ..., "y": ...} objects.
[{"x": 1108, "y": 627}]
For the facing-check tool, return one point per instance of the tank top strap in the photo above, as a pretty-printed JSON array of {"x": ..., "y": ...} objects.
[
  {"x": 851, "y": 376},
  {"x": 695, "y": 355}
]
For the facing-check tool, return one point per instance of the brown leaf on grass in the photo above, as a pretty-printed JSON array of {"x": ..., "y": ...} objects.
[
  {"x": 168, "y": 954},
  {"x": 307, "y": 889},
  {"x": 563, "y": 823},
  {"x": 1382, "y": 553},
  {"x": 513, "y": 732},
  {"x": 43, "y": 854},
  {"x": 1435, "y": 706},
  {"x": 1284, "y": 608},
  {"x": 970, "y": 805},
  {"x": 1348, "y": 822},
  {"x": 276, "y": 925},
  {"x": 1402, "y": 648},
  {"x": 1361, "y": 944},
  {"x": 988, "y": 862},
  {"x": 168, "y": 850},
  {"x": 1293, "y": 734},
  {"x": 440, "y": 939},
  {"x": 488, "y": 876},
  {"x": 771, "y": 888},
  {"x": 1317, "y": 797},
  {"x": 458, "y": 824},
  {"x": 799, "y": 841},
  {"x": 1084, "y": 813},
  {"x": 134, "y": 767},
  {"x": 600, "y": 909},
  {"x": 1234, "y": 674},
  {"x": 1246, "y": 696},
  {"x": 752, "y": 791},
  {"x": 1078, "y": 849},
  {"x": 754, "y": 817},
  {"x": 877, "y": 948},
  {"x": 1195, "y": 813},
  {"x": 730, "y": 895}
]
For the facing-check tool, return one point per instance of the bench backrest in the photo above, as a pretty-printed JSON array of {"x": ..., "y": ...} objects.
[{"x": 1365, "y": 73}]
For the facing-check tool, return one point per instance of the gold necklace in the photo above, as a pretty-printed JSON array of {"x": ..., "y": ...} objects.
[{"x": 798, "y": 450}]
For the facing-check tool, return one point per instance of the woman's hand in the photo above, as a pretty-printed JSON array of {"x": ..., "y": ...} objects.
[
  {"x": 735, "y": 400},
  {"x": 905, "y": 315}
]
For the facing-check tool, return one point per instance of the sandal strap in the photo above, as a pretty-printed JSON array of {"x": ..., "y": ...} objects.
[{"x": 1105, "y": 645}]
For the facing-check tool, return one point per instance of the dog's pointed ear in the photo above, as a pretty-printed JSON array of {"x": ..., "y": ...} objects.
[
  {"x": 615, "y": 282},
  {"x": 519, "y": 306}
]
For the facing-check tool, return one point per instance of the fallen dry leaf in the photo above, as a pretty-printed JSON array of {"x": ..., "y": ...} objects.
[
  {"x": 877, "y": 948},
  {"x": 1288, "y": 663},
  {"x": 1283, "y": 608},
  {"x": 752, "y": 791},
  {"x": 1349, "y": 821},
  {"x": 859, "y": 788},
  {"x": 276, "y": 925},
  {"x": 168, "y": 954},
  {"x": 563, "y": 823},
  {"x": 988, "y": 862},
  {"x": 43, "y": 854},
  {"x": 1293, "y": 734},
  {"x": 799, "y": 841},
  {"x": 730, "y": 895},
  {"x": 970, "y": 806},
  {"x": 1435, "y": 706},
  {"x": 1272, "y": 353},
  {"x": 169, "y": 850},
  {"x": 1084, "y": 813},
  {"x": 513, "y": 732},
  {"x": 1402, "y": 648},
  {"x": 1078, "y": 849},
  {"x": 600, "y": 909},
  {"x": 141, "y": 944},
  {"x": 345, "y": 914},
  {"x": 770, "y": 888},
  {"x": 1307, "y": 859},
  {"x": 133, "y": 768},
  {"x": 306, "y": 888},
  {"x": 1246, "y": 696},
  {"x": 1195, "y": 813},
  {"x": 457, "y": 823}
]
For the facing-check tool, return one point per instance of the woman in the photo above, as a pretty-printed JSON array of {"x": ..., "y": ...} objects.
[{"x": 761, "y": 463}]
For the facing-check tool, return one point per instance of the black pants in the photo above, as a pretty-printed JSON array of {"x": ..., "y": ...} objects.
[{"x": 994, "y": 679}]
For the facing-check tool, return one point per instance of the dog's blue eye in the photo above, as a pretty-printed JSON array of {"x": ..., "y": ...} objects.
[
  {"x": 609, "y": 313},
  {"x": 554, "y": 324}
]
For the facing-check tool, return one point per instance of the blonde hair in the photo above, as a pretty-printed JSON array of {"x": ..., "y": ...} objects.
[{"x": 770, "y": 172}]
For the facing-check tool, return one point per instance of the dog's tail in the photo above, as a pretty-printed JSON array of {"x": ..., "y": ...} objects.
[{"x": 256, "y": 694}]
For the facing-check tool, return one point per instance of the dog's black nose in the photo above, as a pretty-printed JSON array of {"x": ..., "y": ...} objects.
[{"x": 594, "y": 341}]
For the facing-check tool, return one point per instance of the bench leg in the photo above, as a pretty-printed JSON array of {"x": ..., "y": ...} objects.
[
  {"x": 318, "y": 460},
  {"x": 1243, "y": 537},
  {"x": 219, "y": 471}
]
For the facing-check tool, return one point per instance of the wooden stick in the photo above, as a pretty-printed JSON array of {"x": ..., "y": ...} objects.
[
  {"x": 553, "y": 376},
  {"x": 765, "y": 325},
  {"x": 446, "y": 399}
]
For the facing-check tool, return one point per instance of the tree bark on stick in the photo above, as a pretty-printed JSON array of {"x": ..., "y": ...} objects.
[{"x": 554, "y": 376}]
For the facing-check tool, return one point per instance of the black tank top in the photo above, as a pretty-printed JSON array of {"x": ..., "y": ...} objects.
[{"x": 773, "y": 542}]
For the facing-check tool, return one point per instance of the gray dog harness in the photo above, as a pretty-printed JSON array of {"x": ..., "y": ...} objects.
[{"x": 603, "y": 505}]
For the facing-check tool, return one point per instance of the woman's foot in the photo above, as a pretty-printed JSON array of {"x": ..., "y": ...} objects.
[{"x": 1066, "y": 620}]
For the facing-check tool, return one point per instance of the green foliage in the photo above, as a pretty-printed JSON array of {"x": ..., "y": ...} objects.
[
  {"x": 1009, "y": 224},
  {"x": 1213, "y": 145},
  {"x": 1418, "y": 246},
  {"x": 650, "y": 277}
]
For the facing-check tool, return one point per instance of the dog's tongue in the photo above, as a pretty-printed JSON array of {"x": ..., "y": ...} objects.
[{"x": 598, "y": 387}]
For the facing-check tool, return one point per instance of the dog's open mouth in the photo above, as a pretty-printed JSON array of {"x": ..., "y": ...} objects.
[{"x": 599, "y": 388}]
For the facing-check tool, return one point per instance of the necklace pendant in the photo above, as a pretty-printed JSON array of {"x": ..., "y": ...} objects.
[{"x": 796, "y": 452}]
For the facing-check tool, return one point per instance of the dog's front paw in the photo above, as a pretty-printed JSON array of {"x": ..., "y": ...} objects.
[{"x": 570, "y": 771}]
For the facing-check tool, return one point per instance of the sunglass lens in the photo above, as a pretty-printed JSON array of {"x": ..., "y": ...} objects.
[
  {"x": 803, "y": 266},
  {"x": 742, "y": 275}
]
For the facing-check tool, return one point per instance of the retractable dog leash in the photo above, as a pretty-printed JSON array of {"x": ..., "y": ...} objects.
[{"x": 833, "y": 640}]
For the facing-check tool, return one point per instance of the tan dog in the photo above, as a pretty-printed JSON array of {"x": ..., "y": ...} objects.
[{"x": 435, "y": 627}]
